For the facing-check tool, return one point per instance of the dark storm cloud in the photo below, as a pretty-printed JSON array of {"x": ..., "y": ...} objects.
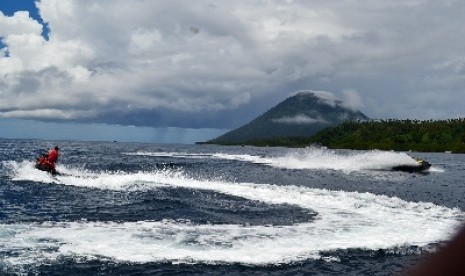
[{"x": 213, "y": 64}]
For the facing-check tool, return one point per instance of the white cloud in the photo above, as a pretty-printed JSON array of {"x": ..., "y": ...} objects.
[
  {"x": 201, "y": 57},
  {"x": 325, "y": 97},
  {"x": 20, "y": 23},
  {"x": 300, "y": 119},
  {"x": 352, "y": 99},
  {"x": 22, "y": 35},
  {"x": 48, "y": 114},
  {"x": 142, "y": 40}
]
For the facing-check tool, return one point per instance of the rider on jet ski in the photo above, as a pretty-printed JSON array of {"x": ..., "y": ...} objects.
[{"x": 47, "y": 161}]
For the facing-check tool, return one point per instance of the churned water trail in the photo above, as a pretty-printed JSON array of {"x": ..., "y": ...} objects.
[
  {"x": 131, "y": 208},
  {"x": 308, "y": 158},
  {"x": 344, "y": 220}
]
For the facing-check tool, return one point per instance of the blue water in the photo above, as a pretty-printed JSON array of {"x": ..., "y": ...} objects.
[{"x": 144, "y": 209}]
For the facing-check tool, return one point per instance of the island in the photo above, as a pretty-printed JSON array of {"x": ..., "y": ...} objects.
[
  {"x": 316, "y": 118},
  {"x": 391, "y": 134}
]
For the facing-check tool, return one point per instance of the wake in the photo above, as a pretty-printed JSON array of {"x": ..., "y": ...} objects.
[
  {"x": 309, "y": 158},
  {"x": 345, "y": 220}
]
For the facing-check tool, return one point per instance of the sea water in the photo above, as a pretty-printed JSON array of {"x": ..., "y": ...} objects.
[{"x": 135, "y": 209}]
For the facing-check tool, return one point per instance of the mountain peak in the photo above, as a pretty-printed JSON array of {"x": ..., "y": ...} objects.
[
  {"x": 322, "y": 96},
  {"x": 301, "y": 115}
]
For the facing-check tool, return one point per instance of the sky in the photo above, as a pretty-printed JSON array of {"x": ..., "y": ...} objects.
[{"x": 211, "y": 66}]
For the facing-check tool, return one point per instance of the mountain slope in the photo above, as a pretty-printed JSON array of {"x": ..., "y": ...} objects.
[{"x": 301, "y": 115}]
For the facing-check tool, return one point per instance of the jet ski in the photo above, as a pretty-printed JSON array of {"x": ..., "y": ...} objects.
[
  {"x": 46, "y": 169},
  {"x": 43, "y": 164},
  {"x": 421, "y": 166}
]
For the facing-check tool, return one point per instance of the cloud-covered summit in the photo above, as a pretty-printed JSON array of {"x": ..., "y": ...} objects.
[
  {"x": 204, "y": 63},
  {"x": 300, "y": 119}
]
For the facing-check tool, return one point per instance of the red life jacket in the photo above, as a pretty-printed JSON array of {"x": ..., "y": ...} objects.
[
  {"x": 41, "y": 160},
  {"x": 53, "y": 156},
  {"x": 43, "y": 163}
]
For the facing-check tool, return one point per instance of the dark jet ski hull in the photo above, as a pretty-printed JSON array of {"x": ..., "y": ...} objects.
[
  {"x": 46, "y": 169},
  {"x": 420, "y": 167}
]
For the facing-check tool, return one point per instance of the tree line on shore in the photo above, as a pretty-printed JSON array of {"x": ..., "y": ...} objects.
[{"x": 390, "y": 134}]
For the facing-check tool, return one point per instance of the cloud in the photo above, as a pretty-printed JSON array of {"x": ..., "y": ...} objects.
[
  {"x": 327, "y": 97},
  {"x": 300, "y": 119},
  {"x": 19, "y": 24},
  {"x": 172, "y": 60},
  {"x": 352, "y": 99}
]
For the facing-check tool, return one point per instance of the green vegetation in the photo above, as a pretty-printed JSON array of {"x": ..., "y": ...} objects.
[{"x": 401, "y": 135}]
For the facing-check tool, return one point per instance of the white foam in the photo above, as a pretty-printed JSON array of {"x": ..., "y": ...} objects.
[
  {"x": 26, "y": 171},
  {"x": 436, "y": 169},
  {"x": 169, "y": 154},
  {"x": 311, "y": 158},
  {"x": 324, "y": 159},
  {"x": 345, "y": 220},
  {"x": 225, "y": 156}
]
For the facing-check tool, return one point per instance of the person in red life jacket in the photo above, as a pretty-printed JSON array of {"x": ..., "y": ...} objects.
[
  {"x": 43, "y": 163},
  {"x": 47, "y": 161},
  {"x": 42, "y": 159},
  {"x": 53, "y": 155}
]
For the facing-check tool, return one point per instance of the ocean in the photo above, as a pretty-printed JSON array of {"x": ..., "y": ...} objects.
[{"x": 166, "y": 209}]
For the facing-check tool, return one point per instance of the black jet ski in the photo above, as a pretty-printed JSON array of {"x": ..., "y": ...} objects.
[
  {"x": 421, "y": 166},
  {"x": 46, "y": 169},
  {"x": 43, "y": 164}
]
